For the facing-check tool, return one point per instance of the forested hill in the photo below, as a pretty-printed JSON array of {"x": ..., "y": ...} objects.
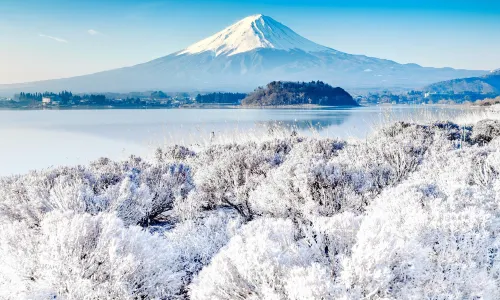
[
  {"x": 296, "y": 93},
  {"x": 488, "y": 84}
]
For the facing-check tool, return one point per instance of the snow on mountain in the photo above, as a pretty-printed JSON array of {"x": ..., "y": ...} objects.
[
  {"x": 253, "y": 32},
  {"x": 247, "y": 54}
]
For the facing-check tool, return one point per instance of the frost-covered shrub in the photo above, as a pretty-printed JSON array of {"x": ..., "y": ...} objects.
[
  {"x": 453, "y": 131},
  {"x": 265, "y": 262},
  {"x": 300, "y": 188},
  {"x": 164, "y": 183},
  {"x": 168, "y": 183},
  {"x": 198, "y": 240},
  {"x": 138, "y": 190},
  {"x": 424, "y": 250},
  {"x": 399, "y": 147},
  {"x": 301, "y": 183},
  {"x": 346, "y": 179},
  {"x": 19, "y": 259},
  {"x": 395, "y": 152},
  {"x": 80, "y": 256},
  {"x": 433, "y": 236},
  {"x": 277, "y": 259},
  {"x": 131, "y": 201},
  {"x": 225, "y": 174},
  {"x": 485, "y": 167},
  {"x": 173, "y": 153},
  {"x": 486, "y": 130},
  {"x": 29, "y": 197}
]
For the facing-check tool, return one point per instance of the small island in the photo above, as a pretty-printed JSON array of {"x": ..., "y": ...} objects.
[{"x": 286, "y": 93}]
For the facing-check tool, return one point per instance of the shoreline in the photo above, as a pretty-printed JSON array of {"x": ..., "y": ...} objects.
[{"x": 223, "y": 106}]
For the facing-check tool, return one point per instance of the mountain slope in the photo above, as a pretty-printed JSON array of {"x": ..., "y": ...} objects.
[
  {"x": 487, "y": 84},
  {"x": 249, "y": 53}
]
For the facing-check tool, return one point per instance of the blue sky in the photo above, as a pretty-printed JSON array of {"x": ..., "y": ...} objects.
[{"x": 43, "y": 39}]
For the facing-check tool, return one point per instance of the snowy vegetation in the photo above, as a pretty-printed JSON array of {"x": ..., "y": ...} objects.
[{"x": 412, "y": 212}]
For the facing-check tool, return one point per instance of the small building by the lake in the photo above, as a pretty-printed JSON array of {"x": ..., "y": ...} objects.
[{"x": 46, "y": 100}]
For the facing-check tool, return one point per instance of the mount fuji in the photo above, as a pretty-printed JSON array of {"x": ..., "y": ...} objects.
[{"x": 249, "y": 53}]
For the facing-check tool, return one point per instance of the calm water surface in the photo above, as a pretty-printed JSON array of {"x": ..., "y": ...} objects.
[{"x": 40, "y": 139}]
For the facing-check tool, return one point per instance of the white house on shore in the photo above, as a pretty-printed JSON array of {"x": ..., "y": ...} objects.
[{"x": 50, "y": 101}]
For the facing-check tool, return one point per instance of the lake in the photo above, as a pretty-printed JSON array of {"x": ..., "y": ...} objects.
[{"x": 36, "y": 139}]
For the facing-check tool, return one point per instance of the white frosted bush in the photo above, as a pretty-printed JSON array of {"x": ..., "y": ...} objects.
[
  {"x": 80, "y": 256},
  {"x": 299, "y": 189},
  {"x": 346, "y": 179},
  {"x": 131, "y": 201},
  {"x": 428, "y": 238},
  {"x": 139, "y": 191},
  {"x": 18, "y": 259},
  {"x": 263, "y": 262},
  {"x": 226, "y": 174},
  {"x": 198, "y": 240},
  {"x": 485, "y": 131},
  {"x": 303, "y": 183},
  {"x": 29, "y": 197},
  {"x": 309, "y": 283}
]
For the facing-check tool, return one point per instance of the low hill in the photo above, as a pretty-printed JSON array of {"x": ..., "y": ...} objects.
[
  {"x": 487, "y": 84},
  {"x": 297, "y": 93}
]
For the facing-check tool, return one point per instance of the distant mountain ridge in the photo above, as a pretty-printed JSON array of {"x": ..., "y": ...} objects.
[
  {"x": 250, "y": 53},
  {"x": 487, "y": 84}
]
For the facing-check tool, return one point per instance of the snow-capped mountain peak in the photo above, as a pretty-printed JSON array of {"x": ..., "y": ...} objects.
[
  {"x": 253, "y": 32},
  {"x": 250, "y": 53}
]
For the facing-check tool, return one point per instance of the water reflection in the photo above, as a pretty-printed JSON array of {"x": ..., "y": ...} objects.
[{"x": 312, "y": 122}]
